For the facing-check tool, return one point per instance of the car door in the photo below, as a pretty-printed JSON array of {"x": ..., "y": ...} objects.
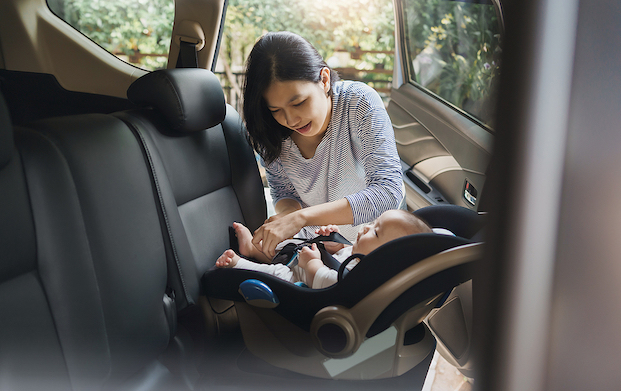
[{"x": 447, "y": 61}]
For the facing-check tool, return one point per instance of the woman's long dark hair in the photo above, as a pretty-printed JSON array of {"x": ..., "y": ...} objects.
[{"x": 282, "y": 56}]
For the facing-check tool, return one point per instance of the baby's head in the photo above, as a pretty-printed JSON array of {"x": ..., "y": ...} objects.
[{"x": 390, "y": 225}]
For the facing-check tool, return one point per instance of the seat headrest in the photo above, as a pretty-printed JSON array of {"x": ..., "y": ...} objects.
[
  {"x": 6, "y": 134},
  {"x": 190, "y": 99}
]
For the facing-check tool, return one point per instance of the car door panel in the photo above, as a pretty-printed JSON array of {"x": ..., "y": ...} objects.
[
  {"x": 441, "y": 149},
  {"x": 444, "y": 149}
]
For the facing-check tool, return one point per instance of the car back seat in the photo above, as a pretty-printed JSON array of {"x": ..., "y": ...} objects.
[
  {"x": 203, "y": 168},
  {"x": 102, "y": 204},
  {"x": 83, "y": 272},
  {"x": 28, "y": 336}
]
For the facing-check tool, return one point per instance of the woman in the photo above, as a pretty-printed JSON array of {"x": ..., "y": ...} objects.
[{"x": 327, "y": 145}]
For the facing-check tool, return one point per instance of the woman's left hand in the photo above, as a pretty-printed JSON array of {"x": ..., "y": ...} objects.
[{"x": 276, "y": 229}]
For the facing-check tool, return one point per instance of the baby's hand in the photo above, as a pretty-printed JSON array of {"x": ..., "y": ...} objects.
[
  {"x": 307, "y": 254},
  {"x": 326, "y": 230}
]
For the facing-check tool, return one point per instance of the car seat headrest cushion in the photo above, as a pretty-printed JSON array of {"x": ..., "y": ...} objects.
[
  {"x": 191, "y": 99},
  {"x": 6, "y": 134}
]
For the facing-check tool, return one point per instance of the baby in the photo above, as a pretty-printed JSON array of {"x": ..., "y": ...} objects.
[{"x": 310, "y": 269}]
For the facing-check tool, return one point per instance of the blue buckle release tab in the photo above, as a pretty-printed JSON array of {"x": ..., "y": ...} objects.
[{"x": 258, "y": 294}]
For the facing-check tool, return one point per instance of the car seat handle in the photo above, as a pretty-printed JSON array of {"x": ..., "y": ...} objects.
[{"x": 338, "y": 331}]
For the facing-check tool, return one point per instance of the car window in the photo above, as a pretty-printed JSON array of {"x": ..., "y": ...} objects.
[
  {"x": 453, "y": 51},
  {"x": 355, "y": 37},
  {"x": 136, "y": 31}
]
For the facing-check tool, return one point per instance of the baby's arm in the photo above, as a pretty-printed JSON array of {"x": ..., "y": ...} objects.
[
  {"x": 326, "y": 230},
  {"x": 309, "y": 259}
]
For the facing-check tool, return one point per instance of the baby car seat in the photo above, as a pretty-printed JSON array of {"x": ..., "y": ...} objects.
[{"x": 367, "y": 326}]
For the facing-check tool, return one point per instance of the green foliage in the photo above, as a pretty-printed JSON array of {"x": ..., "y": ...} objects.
[
  {"x": 329, "y": 25},
  {"x": 454, "y": 51},
  {"x": 125, "y": 26},
  {"x": 144, "y": 26},
  {"x": 453, "y": 46}
]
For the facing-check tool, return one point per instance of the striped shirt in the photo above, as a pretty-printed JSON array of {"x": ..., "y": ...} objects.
[{"x": 356, "y": 159}]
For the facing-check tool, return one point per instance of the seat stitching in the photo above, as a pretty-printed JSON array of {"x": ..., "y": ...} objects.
[{"x": 162, "y": 207}]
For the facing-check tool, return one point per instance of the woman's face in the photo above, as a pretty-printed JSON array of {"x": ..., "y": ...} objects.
[{"x": 301, "y": 106}]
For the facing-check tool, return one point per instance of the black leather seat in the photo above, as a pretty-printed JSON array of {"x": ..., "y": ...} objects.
[
  {"x": 104, "y": 220},
  {"x": 204, "y": 171},
  {"x": 28, "y": 330},
  {"x": 83, "y": 269}
]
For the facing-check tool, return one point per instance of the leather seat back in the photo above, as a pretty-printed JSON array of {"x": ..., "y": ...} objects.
[{"x": 203, "y": 167}]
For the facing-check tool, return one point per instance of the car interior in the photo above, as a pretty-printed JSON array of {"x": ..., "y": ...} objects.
[{"x": 118, "y": 185}]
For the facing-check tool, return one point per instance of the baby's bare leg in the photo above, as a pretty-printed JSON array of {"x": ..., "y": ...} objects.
[
  {"x": 227, "y": 259},
  {"x": 246, "y": 248}
]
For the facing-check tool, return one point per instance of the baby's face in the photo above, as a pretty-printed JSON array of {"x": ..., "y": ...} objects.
[{"x": 387, "y": 227}]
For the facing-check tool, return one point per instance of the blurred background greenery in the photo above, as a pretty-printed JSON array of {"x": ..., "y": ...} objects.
[{"x": 452, "y": 47}]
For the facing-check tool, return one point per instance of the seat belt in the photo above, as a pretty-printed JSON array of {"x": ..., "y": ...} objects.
[
  {"x": 288, "y": 254},
  {"x": 188, "y": 56}
]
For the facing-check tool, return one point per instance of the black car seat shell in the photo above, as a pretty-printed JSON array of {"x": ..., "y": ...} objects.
[
  {"x": 395, "y": 285},
  {"x": 300, "y": 305}
]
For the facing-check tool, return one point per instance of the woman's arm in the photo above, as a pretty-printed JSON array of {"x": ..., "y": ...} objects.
[
  {"x": 284, "y": 195},
  {"x": 286, "y": 206},
  {"x": 374, "y": 144},
  {"x": 283, "y": 226}
]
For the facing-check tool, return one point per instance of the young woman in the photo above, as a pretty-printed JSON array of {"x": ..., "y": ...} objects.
[{"x": 327, "y": 145}]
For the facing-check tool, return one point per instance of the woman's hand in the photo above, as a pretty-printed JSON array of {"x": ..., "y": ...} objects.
[
  {"x": 276, "y": 229},
  {"x": 291, "y": 218}
]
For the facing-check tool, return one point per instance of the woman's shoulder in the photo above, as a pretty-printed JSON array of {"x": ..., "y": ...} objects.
[
  {"x": 353, "y": 88},
  {"x": 353, "y": 93}
]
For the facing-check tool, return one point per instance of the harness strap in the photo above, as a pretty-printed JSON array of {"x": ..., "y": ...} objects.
[{"x": 288, "y": 254}]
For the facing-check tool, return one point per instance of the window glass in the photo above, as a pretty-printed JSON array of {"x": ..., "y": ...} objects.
[
  {"x": 136, "y": 31},
  {"x": 355, "y": 37},
  {"x": 453, "y": 50}
]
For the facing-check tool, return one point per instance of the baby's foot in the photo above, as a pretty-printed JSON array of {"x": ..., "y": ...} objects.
[
  {"x": 244, "y": 239},
  {"x": 227, "y": 259}
]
